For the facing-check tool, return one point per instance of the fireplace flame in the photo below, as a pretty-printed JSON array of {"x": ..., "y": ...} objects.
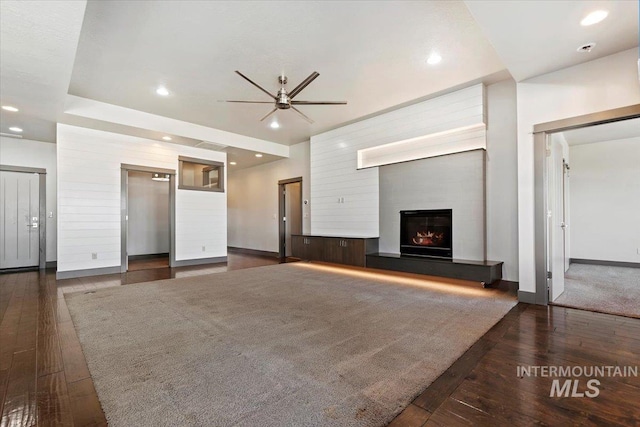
[{"x": 428, "y": 238}]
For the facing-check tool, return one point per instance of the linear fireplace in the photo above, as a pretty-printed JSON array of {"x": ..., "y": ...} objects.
[{"x": 426, "y": 233}]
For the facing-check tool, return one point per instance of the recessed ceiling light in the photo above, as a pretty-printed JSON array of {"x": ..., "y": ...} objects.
[
  {"x": 434, "y": 58},
  {"x": 162, "y": 91},
  {"x": 274, "y": 125},
  {"x": 10, "y": 108},
  {"x": 15, "y": 129},
  {"x": 258, "y": 155},
  {"x": 166, "y": 138},
  {"x": 232, "y": 163},
  {"x": 594, "y": 17}
]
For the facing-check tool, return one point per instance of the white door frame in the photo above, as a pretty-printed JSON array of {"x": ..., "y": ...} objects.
[
  {"x": 540, "y": 134},
  {"x": 124, "y": 211},
  {"x": 42, "y": 207}
]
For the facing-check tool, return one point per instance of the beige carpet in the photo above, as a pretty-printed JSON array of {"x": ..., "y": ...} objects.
[
  {"x": 285, "y": 345},
  {"x": 614, "y": 290}
]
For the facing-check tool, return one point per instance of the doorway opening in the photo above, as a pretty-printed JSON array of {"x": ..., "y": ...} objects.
[
  {"x": 587, "y": 190},
  {"x": 290, "y": 213},
  {"x": 595, "y": 263},
  {"x": 22, "y": 218},
  {"x": 148, "y": 218}
]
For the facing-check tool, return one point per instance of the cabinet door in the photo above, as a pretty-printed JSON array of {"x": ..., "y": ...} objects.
[
  {"x": 332, "y": 250},
  {"x": 298, "y": 247},
  {"x": 353, "y": 252},
  {"x": 315, "y": 248}
]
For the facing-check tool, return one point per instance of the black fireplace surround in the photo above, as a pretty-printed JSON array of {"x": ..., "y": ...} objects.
[{"x": 427, "y": 233}]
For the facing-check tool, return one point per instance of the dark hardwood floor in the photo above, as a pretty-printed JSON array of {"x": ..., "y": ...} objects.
[
  {"x": 147, "y": 263},
  {"x": 483, "y": 387},
  {"x": 44, "y": 379}
]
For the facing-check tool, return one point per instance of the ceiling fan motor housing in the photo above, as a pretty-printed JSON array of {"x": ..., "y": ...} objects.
[
  {"x": 283, "y": 98},
  {"x": 283, "y": 102}
]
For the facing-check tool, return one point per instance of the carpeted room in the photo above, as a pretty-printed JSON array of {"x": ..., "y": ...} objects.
[
  {"x": 600, "y": 193},
  {"x": 606, "y": 289},
  {"x": 290, "y": 344}
]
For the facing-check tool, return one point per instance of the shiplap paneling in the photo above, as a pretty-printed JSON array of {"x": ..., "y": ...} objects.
[
  {"x": 345, "y": 200},
  {"x": 89, "y": 164}
]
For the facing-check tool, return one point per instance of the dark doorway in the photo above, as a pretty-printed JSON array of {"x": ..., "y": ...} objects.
[{"x": 290, "y": 208}]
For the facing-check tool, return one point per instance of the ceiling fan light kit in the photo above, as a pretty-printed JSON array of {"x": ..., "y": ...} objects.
[{"x": 284, "y": 99}]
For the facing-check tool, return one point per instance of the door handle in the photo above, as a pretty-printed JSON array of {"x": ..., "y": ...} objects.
[{"x": 34, "y": 222}]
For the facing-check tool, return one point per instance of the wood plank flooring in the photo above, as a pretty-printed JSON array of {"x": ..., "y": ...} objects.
[
  {"x": 482, "y": 387},
  {"x": 44, "y": 379}
]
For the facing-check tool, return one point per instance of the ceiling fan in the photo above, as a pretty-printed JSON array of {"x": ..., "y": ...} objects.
[{"x": 284, "y": 99}]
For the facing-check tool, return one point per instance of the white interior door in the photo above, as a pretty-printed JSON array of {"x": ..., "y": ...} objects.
[
  {"x": 556, "y": 220},
  {"x": 19, "y": 216}
]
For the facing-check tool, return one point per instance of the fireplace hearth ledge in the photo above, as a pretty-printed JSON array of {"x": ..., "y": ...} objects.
[{"x": 485, "y": 272}]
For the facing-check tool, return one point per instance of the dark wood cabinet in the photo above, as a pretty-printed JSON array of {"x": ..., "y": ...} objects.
[
  {"x": 298, "y": 249},
  {"x": 339, "y": 250},
  {"x": 306, "y": 248},
  {"x": 333, "y": 251}
]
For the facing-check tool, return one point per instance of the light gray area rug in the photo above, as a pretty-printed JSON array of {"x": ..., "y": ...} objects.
[
  {"x": 284, "y": 345},
  {"x": 606, "y": 289}
]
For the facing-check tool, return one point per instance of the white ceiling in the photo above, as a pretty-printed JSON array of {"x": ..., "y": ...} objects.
[
  {"x": 607, "y": 132},
  {"x": 536, "y": 37},
  {"x": 369, "y": 53},
  {"x": 38, "y": 42}
]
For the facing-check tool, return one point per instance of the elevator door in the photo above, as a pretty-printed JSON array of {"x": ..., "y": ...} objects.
[{"x": 19, "y": 216}]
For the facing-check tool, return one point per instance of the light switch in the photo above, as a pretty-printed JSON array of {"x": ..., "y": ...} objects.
[{"x": 50, "y": 214}]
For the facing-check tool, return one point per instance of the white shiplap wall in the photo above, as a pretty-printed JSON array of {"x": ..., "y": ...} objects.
[
  {"x": 344, "y": 200},
  {"x": 89, "y": 198}
]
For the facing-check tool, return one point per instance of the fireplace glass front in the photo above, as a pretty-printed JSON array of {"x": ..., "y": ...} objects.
[{"x": 426, "y": 233}]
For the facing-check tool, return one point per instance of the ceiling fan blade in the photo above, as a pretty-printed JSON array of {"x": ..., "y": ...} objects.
[
  {"x": 248, "y": 102},
  {"x": 302, "y": 114},
  {"x": 255, "y": 84},
  {"x": 318, "y": 102},
  {"x": 304, "y": 84},
  {"x": 268, "y": 114}
]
